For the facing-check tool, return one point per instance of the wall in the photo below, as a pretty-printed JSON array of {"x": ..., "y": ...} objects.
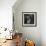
[
  {"x": 6, "y": 13},
  {"x": 43, "y": 22},
  {"x": 33, "y": 33}
]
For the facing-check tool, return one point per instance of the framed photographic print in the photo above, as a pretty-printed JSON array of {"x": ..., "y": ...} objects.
[{"x": 29, "y": 19}]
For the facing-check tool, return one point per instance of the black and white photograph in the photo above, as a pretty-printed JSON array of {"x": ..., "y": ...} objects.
[{"x": 29, "y": 18}]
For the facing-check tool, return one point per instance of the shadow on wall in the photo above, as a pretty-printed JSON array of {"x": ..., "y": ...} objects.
[{"x": 17, "y": 4}]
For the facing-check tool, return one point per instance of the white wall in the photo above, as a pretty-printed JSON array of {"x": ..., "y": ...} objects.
[
  {"x": 33, "y": 33},
  {"x": 6, "y": 13},
  {"x": 43, "y": 22}
]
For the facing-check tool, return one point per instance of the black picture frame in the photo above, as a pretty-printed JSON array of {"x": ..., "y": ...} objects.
[{"x": 29, "y": 19}]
